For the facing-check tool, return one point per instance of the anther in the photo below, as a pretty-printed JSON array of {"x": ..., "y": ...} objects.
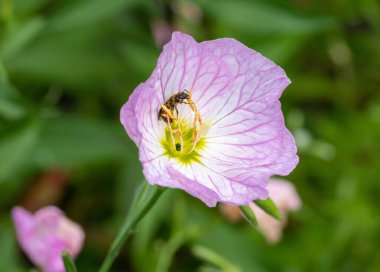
[{"x": 166, "y": 113}]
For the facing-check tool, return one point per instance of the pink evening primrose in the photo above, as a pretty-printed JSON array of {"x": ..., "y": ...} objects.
[
  {"x": 44, "y": 235},
  {"x": 285, "y": 196},
  {"x": 208, "y": 121}
]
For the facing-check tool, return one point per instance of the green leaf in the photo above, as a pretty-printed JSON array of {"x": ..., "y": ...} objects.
[
  {"x": 263, "y": 18},
  {"x": 23, "y": 8},
  {"x": 68, "y": 262},
  {"x": 280, "y": 49},
  {"x": 148, "y": 231},
  {"x": 50, "y": 60},
  {"x": 208, "y": 268},
  {"x": 132, "y": 52},
  {"x": 16, "y": 144},
  {"x": 214, "y": 258},
  {"x": 84, "y": 13},
  {"x": 74, "y": 141},
  {"x": 269, "y": 207},
  {"x": 12, "y": 105},
  {"x": 249, "y": 215},
  {"x": 19, "y": 36},
  {"x": 145, "y": 198},
  {"x": 240, "y": 245},
  {"x": 9, "y": 251},
  {"x": 3, "y": 73}
]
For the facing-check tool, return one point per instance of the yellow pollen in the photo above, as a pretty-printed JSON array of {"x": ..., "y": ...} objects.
[
  {"x": 187, "y": 152},
  {"x": 185, "y": 140}
]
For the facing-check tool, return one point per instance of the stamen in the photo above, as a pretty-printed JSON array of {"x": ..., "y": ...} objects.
[
  {"x": 204, "y": 128},
  {"x": 197, "y": 119},
  {"x": 169, "y": 112},
  {"x": 171, "y": 131},
  {"x": 180, "y": 136}
]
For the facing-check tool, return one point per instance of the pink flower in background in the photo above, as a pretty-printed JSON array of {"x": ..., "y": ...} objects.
[
  {"x": 285, "y": 196},
  {"x": 161, "y": 31},
  {"x": 45, "y": 234},
  {"x": 222, "y": 134}
]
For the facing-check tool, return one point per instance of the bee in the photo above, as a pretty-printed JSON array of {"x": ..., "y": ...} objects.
[{"x": 166, "y": 113}]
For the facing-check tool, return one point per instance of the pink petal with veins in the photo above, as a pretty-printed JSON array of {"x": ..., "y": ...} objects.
[{"x": 236, "y": 90}]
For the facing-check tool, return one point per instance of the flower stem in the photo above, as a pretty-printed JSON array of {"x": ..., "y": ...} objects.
[
  {"x": 213, "y": 258},
  {"x": 144, "y": 199},
  {"x": 68, "y": 262}
]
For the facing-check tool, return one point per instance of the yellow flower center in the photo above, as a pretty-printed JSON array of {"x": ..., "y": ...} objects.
[{"x": 187, "y": 153}]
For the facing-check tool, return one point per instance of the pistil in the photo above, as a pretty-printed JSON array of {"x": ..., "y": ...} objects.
[{"x": 186, "y": 151}]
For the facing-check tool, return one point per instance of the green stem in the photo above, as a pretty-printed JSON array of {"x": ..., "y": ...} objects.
[
  {"x": 143, "y": 201},
  {"x": 213, "y": 258},
  {"x": 68, "y": 262},
  {"x": 168, "y": 250}
]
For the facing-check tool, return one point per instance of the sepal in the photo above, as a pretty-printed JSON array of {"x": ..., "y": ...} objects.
[
  {"x": 248, "y": 214},
  {"x": 269, "y": 207}
]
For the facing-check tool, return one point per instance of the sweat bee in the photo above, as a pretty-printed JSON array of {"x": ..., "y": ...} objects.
[{"x": 167, "y": 110}]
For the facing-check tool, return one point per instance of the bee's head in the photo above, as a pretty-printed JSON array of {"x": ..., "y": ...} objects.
[{"x": 183, "y": 95}]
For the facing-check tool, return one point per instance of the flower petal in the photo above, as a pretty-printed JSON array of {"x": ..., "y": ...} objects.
[
  {"x": 214, "y": 183},
  {"x": 24, "y": 222},
  {"x": 183, "y": 64},
  {"x": 129, "y": 111},
  {"x": 151, "y": 152},
  {"x": 204, "y": 193},
  {"x": 258, "y": 139},
  {"x": 128, "y": 115},
  {"x": 248, "y": 126},
  {"x": 151, "y": 129}
]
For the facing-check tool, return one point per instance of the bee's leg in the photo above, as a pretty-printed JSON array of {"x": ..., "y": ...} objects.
[
  {"x": 173, "y": 131},
  {"x": 176, "y": 111},
  {"x": 168, "y": 112},
  {"x": 169, "y": 115}
]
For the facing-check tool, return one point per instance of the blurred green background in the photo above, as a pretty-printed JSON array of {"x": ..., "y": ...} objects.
[{"x": 66, "y": 67}]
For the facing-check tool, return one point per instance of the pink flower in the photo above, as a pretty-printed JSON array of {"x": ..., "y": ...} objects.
[
  {"x": 44, "y": 235},
  {"x": 229, "y": 136},
  {"x": 161, "y": 31},
  {"x": 285, "y": 196}
]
